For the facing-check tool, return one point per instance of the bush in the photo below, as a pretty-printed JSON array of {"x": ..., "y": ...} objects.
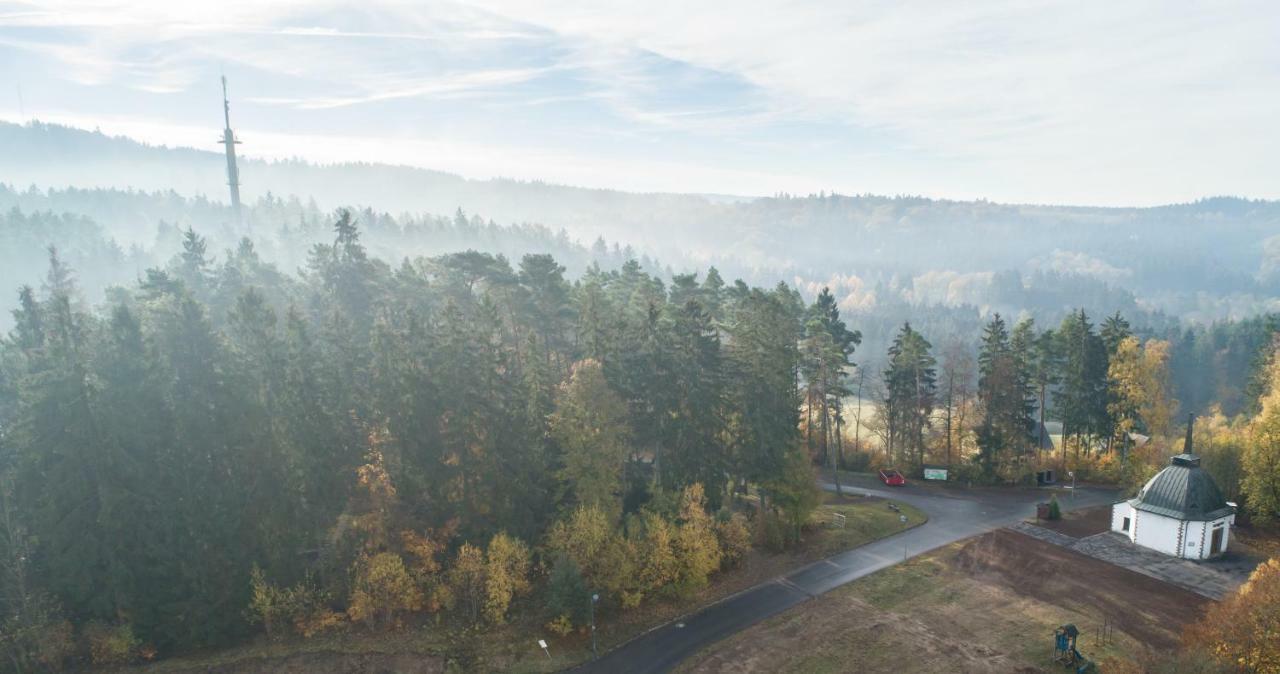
[
  {"x": 382, "y": 588},
  {"x": 309, "y": 610},
  {"x": 735, "y": 538},
  {"x": 770, "y": 531},
  {"x": 304, "y": 606},
  {"x": 657, "y": 555},
  {"x": 54, "y": 644},
  {"x": 696, "y": 547},
  {"x": 266, "y": 603},
  {"x": 1055, "y": 510},
  {"x": 506, "y": 575},
  {"x": 111, "y": 644},
  {"x": 857, "y": 462},
  {"x": 969, "y": 472},
  {"x": 560, "y": 625},
  {"x": 567, "y": 595},
  {"x": 1240, "y": 631}
]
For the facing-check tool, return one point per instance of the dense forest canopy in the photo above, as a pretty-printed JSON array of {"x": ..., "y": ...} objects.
[
  {"x": 364, "y": 439},
  {"x": 213, "y": 428},
  {"x": 1216, "y": 258}
]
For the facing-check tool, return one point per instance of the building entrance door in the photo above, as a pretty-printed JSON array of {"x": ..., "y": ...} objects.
[{"x": 1215, "y": 546}]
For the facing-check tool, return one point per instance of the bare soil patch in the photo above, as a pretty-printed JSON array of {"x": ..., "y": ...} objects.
[
  {"x": 985, "y": 605},
  {"x": 1081, "y": 523},
  {"x": 1151, "y": 611}
]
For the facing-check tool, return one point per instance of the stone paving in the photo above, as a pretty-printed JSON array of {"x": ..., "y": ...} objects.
[{"x": 1212, "y": 578}]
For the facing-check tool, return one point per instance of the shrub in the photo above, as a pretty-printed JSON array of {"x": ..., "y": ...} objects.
[
  {"x": 266, "y": 603},
  {"x": 1240, "y": 631},
  {"x": 1055, "y": 510},
  {"x": 567, "y": 593},
  {"x": 560, "y": 625},
  {"x": 858, "y": 462},
  {"x": 111, "y": 644},
  {"x": 770, "y": 531},
  {"x": 467, "y": 578},
  {"x": 382, "y": 588},
  {"x": 305, "y": 606},
  {"x": 695, "y": 545},
  {"x": 658, "y": 563},
  {"x": 735, "y": 538},
  {"x": 506, "y": 575},
  {"x": 55, "y": 642},
  {"x": 309, "y": 610}
]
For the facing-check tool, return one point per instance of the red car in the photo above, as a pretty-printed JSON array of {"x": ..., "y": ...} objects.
[{"x": 892, "y": 478}]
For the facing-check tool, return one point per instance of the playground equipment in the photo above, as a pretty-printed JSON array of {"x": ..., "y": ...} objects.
[{"x": 1064, "y": 650}]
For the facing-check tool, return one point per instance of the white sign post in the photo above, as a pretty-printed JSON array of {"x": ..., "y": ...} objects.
[{"x": 543, "y": 645}]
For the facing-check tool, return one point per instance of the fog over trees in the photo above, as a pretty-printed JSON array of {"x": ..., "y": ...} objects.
[
  {"x": 1216, "y": 258},
  {"x": 384, "y": 394}
]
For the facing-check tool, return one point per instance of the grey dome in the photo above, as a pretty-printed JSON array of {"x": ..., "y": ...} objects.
[{"x": 1183, "y": 491}]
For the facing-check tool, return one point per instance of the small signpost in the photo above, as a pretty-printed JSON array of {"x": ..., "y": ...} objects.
[{"x": 543, "y": 644}]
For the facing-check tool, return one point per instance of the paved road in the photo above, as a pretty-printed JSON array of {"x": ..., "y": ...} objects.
[{"x": 954, "y": 514}]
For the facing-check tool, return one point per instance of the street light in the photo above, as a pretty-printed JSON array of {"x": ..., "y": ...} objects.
[
  {"x": 1072, "y": 475},
  {"x": 595, "y": 597}
]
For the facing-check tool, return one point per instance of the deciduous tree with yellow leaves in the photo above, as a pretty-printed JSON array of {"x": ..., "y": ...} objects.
[
  {"x": 1261, "y": 461},
  {"x": 506, "y": 575},
  {"x": 1141, "y": 397},
  {"x": 696, "y": 546},
  {"x": 1243, "y": 630}
]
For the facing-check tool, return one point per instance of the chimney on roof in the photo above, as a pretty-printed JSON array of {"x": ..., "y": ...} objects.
[{"x": 1186, "y": 446}]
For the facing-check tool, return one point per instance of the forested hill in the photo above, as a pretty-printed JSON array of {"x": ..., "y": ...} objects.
[
  {"x": 1210, "y": 259},
  {"x": 225, "y": 447}
]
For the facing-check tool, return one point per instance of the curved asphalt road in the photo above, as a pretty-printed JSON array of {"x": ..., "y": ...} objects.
[{"x": 954, "y": 514}]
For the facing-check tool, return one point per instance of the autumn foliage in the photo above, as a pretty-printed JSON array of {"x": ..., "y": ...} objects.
[{"x": 1243, "y": 631}]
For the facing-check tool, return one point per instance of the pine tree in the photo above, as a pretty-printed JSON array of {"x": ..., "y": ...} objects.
[{"x": 911, "y": 391}]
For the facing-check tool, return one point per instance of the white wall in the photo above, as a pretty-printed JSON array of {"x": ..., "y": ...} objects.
[
  {"x": 1120, "y": 511},
  {"x": 1157, "y": 532},
  {"x": 1161, "y": 533},
  {"x": 1205, "y": 529},
  {"x": 1195, "y": 544}
]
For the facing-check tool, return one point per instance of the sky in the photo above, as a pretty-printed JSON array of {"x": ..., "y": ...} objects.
[{"x": 1091, "y": 103}]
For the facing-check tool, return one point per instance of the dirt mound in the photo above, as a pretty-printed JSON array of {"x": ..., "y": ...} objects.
[
  {"x": 332, "y": 663},
  {"x": 1151, "y": 611}
]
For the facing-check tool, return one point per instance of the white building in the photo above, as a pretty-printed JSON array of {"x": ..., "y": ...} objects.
[{"x": 1180, "y": 512}]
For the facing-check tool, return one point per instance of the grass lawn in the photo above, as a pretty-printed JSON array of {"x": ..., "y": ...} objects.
[
  {"x": 866, "y": 520},
  {"x": 513, "y": 647}
]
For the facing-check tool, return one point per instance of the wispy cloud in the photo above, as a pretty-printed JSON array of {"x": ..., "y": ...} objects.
[
  {"x": 447, "y": 86},
  {"x": 1042, "y": 101}
]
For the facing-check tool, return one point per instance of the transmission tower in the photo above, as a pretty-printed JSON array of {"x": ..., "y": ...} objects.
[{"x": 229, "y": 140}]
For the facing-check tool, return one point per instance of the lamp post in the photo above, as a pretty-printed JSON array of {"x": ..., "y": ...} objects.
[
  {"x": 595, "y": 597},
  {"x": 1072, "y": 475}
]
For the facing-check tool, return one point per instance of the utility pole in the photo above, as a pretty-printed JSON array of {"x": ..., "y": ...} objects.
[
  {"x": 229, "y": 140},
  {"x": 595, "y": 597}
]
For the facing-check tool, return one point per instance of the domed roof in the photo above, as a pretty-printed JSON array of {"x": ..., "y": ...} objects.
[{"x": 1183, "y": 491}]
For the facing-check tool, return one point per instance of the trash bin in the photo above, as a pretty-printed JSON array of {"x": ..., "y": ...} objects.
[{"x": 1042, "y": 511}]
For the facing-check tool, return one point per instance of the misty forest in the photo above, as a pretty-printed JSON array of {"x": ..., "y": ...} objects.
[{"x": 322, "y": 418}]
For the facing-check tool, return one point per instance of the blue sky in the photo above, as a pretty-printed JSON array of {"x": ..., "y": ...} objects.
[{"x": 1066, "y": 102}]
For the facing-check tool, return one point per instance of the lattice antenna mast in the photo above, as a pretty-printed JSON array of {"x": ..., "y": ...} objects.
[{"x": 229, "y": 140}]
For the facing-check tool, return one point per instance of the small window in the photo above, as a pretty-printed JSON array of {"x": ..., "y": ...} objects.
[{"x": 1124, "y": 526}]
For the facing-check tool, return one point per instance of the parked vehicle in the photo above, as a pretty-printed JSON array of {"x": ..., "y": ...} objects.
[{"x": 892, "y": 478}]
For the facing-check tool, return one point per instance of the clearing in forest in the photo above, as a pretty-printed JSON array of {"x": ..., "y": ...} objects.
[{"x": 987, "y": 604}]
